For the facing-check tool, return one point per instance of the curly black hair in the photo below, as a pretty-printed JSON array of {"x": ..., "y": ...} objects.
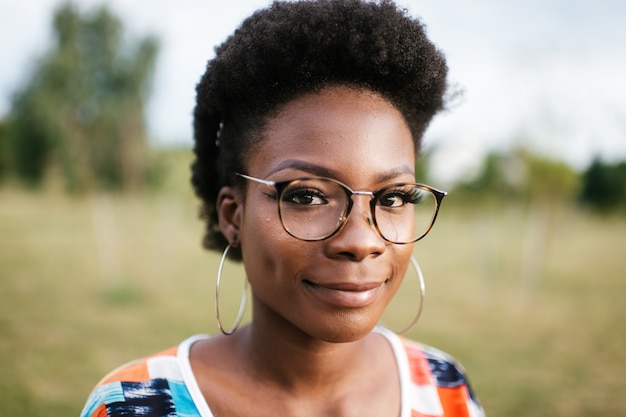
[{"x": 293, "y": 48}]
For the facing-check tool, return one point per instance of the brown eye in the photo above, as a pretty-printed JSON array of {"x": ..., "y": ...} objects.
[
  {"x": 399, "y": 196},
  {"x": 304, "y": 196}
]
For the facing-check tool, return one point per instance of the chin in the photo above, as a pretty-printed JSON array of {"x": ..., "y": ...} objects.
[{"x": 345, "y": 330}]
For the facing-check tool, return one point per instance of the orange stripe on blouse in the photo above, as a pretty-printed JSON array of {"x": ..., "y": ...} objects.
[
  {"x": 420, "y": 370},
  {"x": 454, "y": 401},
  {"x": 101, "y": 411},
  {"x": 136, "y": 371}
]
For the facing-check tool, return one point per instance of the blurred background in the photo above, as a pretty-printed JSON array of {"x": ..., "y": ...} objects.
[{"x": 100, "y": 255}]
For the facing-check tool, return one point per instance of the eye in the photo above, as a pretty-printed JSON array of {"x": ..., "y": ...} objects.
[
  {"x": 304, "y": 196},
  {"x": 400, "y": 196}
]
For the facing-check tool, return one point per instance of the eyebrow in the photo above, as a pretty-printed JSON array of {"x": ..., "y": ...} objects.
[{"x": 322, "y": 171}]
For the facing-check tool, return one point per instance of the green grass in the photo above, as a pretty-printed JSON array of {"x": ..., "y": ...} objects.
[{"x": 535, "y": 314}]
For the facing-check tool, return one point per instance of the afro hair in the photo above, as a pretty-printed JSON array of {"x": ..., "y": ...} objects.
[{"x": 294, "y": 48}]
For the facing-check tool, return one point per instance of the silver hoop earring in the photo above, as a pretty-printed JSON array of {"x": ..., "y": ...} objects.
[
  {"x": 242, "y": 305},
  {"x": 420, "y": 278}
]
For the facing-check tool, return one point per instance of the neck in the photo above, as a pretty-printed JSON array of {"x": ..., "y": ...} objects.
[{"x": 281, "y": 354}]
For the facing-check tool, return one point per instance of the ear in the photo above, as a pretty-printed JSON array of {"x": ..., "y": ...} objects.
[{"x": 230, "y": 213}]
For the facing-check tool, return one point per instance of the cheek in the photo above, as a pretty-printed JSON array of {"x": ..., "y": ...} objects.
[
  {"x": 269, "y": 252},
  {"x": 260, "y": 223},
  {"x": 402, "y": 265}
]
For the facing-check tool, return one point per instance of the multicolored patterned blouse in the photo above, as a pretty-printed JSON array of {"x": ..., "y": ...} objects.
[{"x": 432, "y": 384}]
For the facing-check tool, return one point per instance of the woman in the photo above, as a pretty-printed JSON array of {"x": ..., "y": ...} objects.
[{"x": 307, "y": 126}]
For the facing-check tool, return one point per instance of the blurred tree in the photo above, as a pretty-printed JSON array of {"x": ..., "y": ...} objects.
[
  {"x": 500, "y": 178},
  {"x": 83, "y": 108},
  {"x": 422, "y": 165},
  {"x": 4, "y": 157},
  {"x": 542, "y": 185},
  {"x": 29, "y": 137},
  {"x": 549, "y": 181},
  {"x": 522, "y": 175},
  {"x": 604, "y": 186}
]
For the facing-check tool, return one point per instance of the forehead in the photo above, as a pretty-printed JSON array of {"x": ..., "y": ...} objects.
[{"x": 351, "y": 134}]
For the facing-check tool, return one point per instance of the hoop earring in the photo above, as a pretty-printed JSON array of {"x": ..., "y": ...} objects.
[
  {"x": 420, "y": 278},
  {"x": 242, "y": 305}
]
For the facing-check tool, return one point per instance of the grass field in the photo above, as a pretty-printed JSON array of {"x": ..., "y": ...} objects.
[{"x": 530, "y": 301}]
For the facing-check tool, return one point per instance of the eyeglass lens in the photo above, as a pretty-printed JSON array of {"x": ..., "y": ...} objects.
[{"x": 315, "y": 208}]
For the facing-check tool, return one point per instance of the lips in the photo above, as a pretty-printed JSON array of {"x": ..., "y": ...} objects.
[{"x": 346, "y": 294}]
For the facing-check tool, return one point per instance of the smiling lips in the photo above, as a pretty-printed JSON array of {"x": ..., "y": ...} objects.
[{"x": 348, "y": 295}]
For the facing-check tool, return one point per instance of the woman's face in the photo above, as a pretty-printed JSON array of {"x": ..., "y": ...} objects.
[{"x": 335, "y": 289}]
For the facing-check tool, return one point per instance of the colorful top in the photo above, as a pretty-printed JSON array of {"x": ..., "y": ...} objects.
[{"x": 432, "y": 385}]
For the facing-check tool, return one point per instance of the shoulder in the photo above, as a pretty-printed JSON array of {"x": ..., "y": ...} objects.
[
  {"x": 432, "y": 368},
  {"x": 427, "y": 361},
  {"x": 153, "y": 385}
]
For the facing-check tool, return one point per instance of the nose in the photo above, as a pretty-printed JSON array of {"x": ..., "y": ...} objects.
[{"x": 358, "y": 238}]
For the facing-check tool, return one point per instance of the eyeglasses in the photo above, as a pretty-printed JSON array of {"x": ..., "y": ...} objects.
[{"x": 316, "y": 208}]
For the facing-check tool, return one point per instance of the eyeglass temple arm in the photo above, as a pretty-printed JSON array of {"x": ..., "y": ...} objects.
[{"x": 259, "y": 180}]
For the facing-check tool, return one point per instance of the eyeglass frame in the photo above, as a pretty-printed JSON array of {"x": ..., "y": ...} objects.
[{"x": 280, "y": 186}]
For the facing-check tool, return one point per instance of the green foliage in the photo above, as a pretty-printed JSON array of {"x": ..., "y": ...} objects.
[
  {"x": 604, "y": 186},
  {"x": 521, "y": 176},
  {"x": 169, "y": 170},
  {"x": 550, "y": 180},
  {"x": 422, "y": 165},
  {"x": 4, "y": 157},
  {"x": 492, "y": 179},
  {"x": 82, "y": 110},
  {"x": 31, "y": 134}
]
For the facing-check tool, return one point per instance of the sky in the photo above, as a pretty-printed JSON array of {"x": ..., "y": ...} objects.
[{"x": 547, "y": 75}]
